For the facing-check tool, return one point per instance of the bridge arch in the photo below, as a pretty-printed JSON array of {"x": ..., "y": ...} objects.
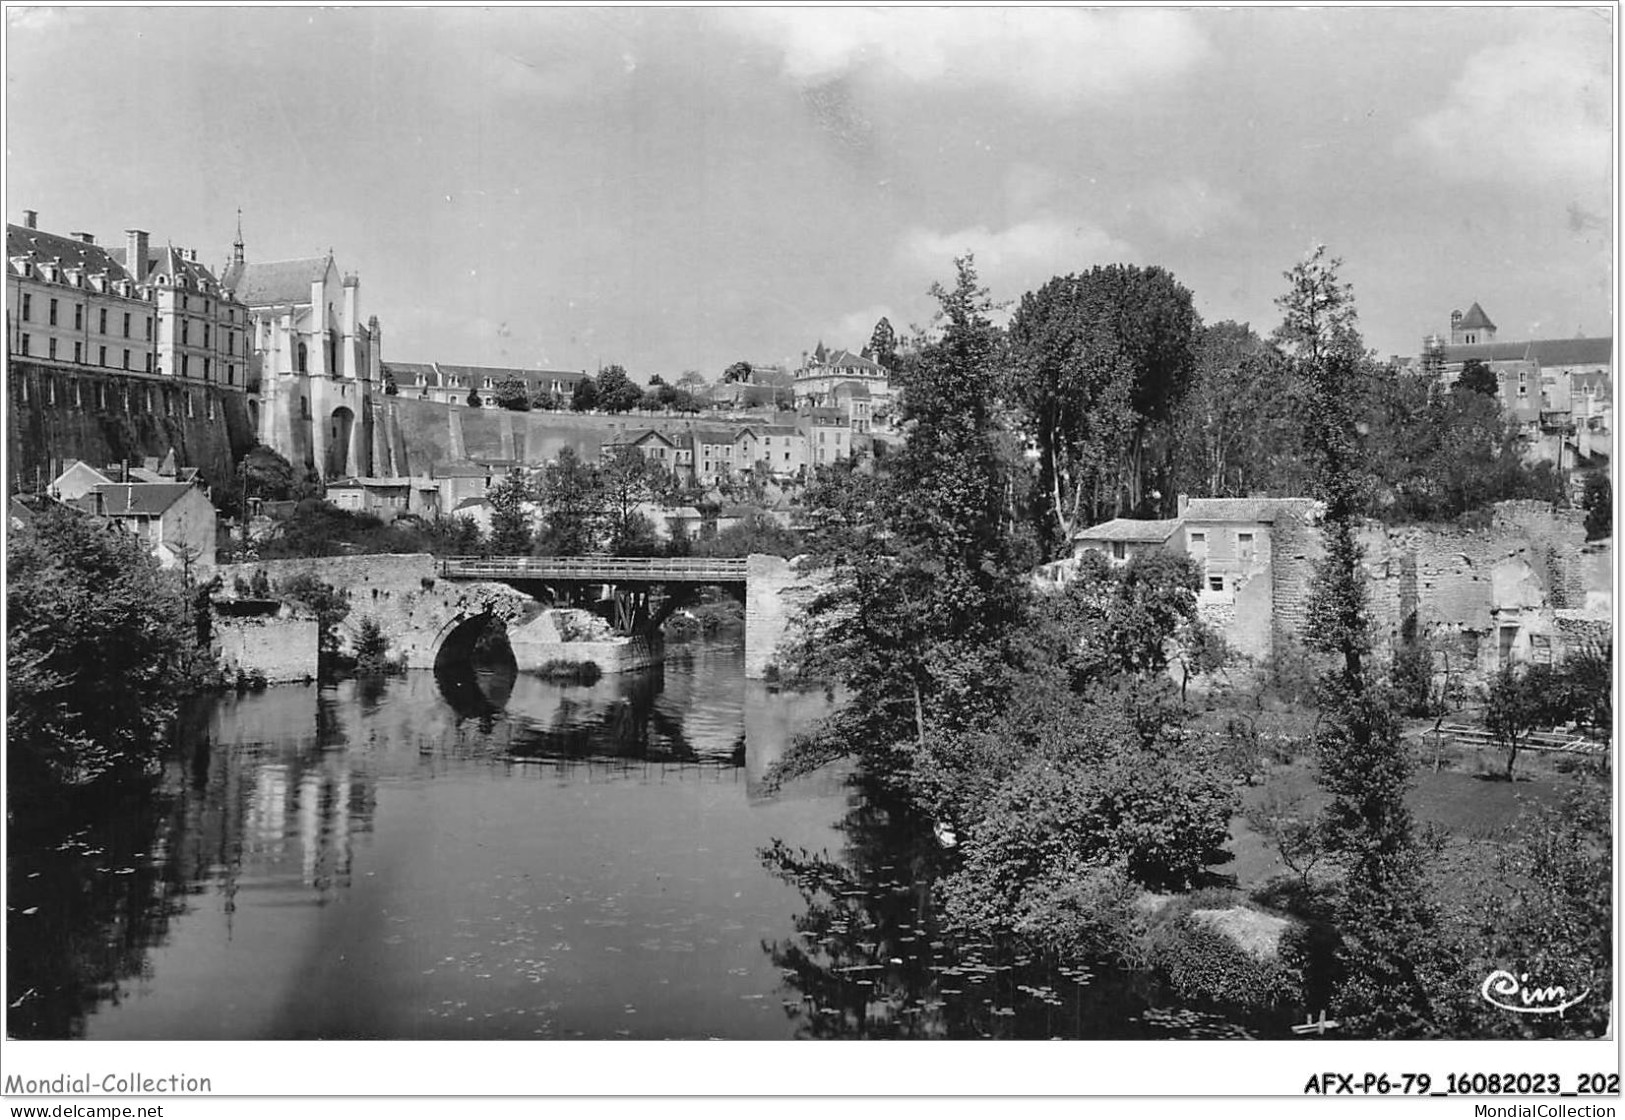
[{"x": 454, "y": 644}]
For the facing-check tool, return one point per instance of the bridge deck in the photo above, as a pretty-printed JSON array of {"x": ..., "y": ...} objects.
[{"x": 598, "y": 569}]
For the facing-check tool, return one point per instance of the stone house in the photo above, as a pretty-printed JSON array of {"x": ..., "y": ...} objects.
[
  {"x": 460, "y": 482},
  {"x": 1123, "y": 538},
  {"x": 387, "y": 498},
  {"x": 828, "y": 434},
  {"x": 175, "y": 519},
  {"x": 779, "y": 447}
]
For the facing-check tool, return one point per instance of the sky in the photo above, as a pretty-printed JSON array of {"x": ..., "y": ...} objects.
[{"x": 683, "y": 188}]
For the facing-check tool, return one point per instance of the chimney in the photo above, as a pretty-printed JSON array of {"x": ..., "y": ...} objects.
[
  {"x": 31, "y": 219},
  {"x": 135, "y": 254},
  {"x": 88, "y": 239},
  {"x": 1184, "y": 504}
]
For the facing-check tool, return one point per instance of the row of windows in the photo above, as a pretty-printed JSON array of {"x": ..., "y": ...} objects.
[
  {"x": 52, "y": 310},
  {"x": 186, "y": 336},
  {"x": 72, "y": 390},
  {"x": 52, "y": 347}
]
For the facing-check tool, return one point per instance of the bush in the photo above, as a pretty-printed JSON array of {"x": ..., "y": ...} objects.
[
  {"x": 570, "y": 672},
  {"x": 371, "y": 648},
  {"x": 99, "y": 643},
  {"x": 1202, "y": 963}
]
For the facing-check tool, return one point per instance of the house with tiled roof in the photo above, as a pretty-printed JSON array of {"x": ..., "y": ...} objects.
[
  {"x": 458, "y": 483},
  {"x": 828, "y": 433},
  {"x": 655, "y": 446},
  {"x": 387, "y": 498},
  {"x": 1123, "y": 538},
  {"x": 1253, "y": 558},
  {"x": 779, "y": 448},
  {"x": 175, "y": 519}
]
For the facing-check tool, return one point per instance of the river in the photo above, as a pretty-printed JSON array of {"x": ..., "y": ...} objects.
[{"x": 492, "y": 857}]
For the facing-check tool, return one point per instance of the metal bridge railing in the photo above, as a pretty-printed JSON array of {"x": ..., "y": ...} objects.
[{"x": 609, "y": 569}]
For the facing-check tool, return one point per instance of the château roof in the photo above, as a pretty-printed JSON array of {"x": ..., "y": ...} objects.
[
  {"x": 22, "y": 241},
  {"x": 276, "y": 283}
]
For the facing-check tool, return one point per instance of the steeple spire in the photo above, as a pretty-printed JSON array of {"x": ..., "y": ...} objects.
[{"x": 237, "y": 246}]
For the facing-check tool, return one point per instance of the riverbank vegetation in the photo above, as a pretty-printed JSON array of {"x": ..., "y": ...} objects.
[
  {"x": 101, "y": 644},
  {"x": 1090, "y": 804}
]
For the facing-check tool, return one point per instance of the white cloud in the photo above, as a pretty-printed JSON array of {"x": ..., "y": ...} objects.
[
  {"x": 1018, "y": 259},
  {"x": 1535, "y": 111},
  {"x": 1048, "y": 55},
  {"x": 1191, "y": 208}
]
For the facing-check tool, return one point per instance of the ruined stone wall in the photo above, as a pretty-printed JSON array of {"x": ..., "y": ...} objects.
[
  {"x": 1459, "y": 586},
  {"x": 768, "y": 611},
  {"x": 278, "y": 649},
  {"x": 1294, "y": 549},
  {"x": 414, "y": 607}
]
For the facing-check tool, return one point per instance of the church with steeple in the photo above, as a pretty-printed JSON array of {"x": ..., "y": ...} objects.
[{"x": 314, "y": 360}]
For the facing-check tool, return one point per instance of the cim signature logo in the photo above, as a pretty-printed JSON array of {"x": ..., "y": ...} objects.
[{"x": 1512, "y": 993}]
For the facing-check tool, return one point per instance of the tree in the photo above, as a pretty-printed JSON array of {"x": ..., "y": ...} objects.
[
  {"x": 1384, "y": 918},
  {"x": 1235, "y": 429},
  {"x": 1436, "y": 456},
  {"x": 511, "y": 393},
  {"x": 474, "y": 400},
  {"x": 1549, "y": 918},
  {"x": 1098, "y": 361},
  {"x": 99, "y": 643},
  {"x": 616, "y": 391},
  {"x": 739, "y": 371},
  {"x": 544, "y": 399},
  {"x": 572, "y": 507},
  {"x": 1477, "y": 377},
  {"x": 584, "y": 398},
  {"x": 627, "y": 480},
  {"x": 267, "y": 475},
  {"x": 1519, "y": 702},
  {"x": 691, "y": 379},
  {"x": 510, "y": 520},
  {"x": 1598, "y": 502},
  {"x": 1319, "y": 316},
  {"x": 650, "y": 401},
  {"x": 882, "y": 348},
  {"x": 759, "y": 532},
  {"x": 391, "y": 389}
]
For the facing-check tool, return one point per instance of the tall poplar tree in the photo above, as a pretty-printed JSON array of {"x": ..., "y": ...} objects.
[{"x": 1385, "y": 920}]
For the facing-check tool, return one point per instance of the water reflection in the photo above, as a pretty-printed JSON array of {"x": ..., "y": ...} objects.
[
  {"x": 872, "y": 958},
  {"x": 492, "y": 856},
  {"x": 542, "y": 860}
]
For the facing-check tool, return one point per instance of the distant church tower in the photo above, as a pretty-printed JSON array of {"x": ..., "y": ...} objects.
[{"x": 1472, "y": 328}]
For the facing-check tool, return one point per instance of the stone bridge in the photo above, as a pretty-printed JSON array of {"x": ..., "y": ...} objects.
[{"x": 429, "y": 616}]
